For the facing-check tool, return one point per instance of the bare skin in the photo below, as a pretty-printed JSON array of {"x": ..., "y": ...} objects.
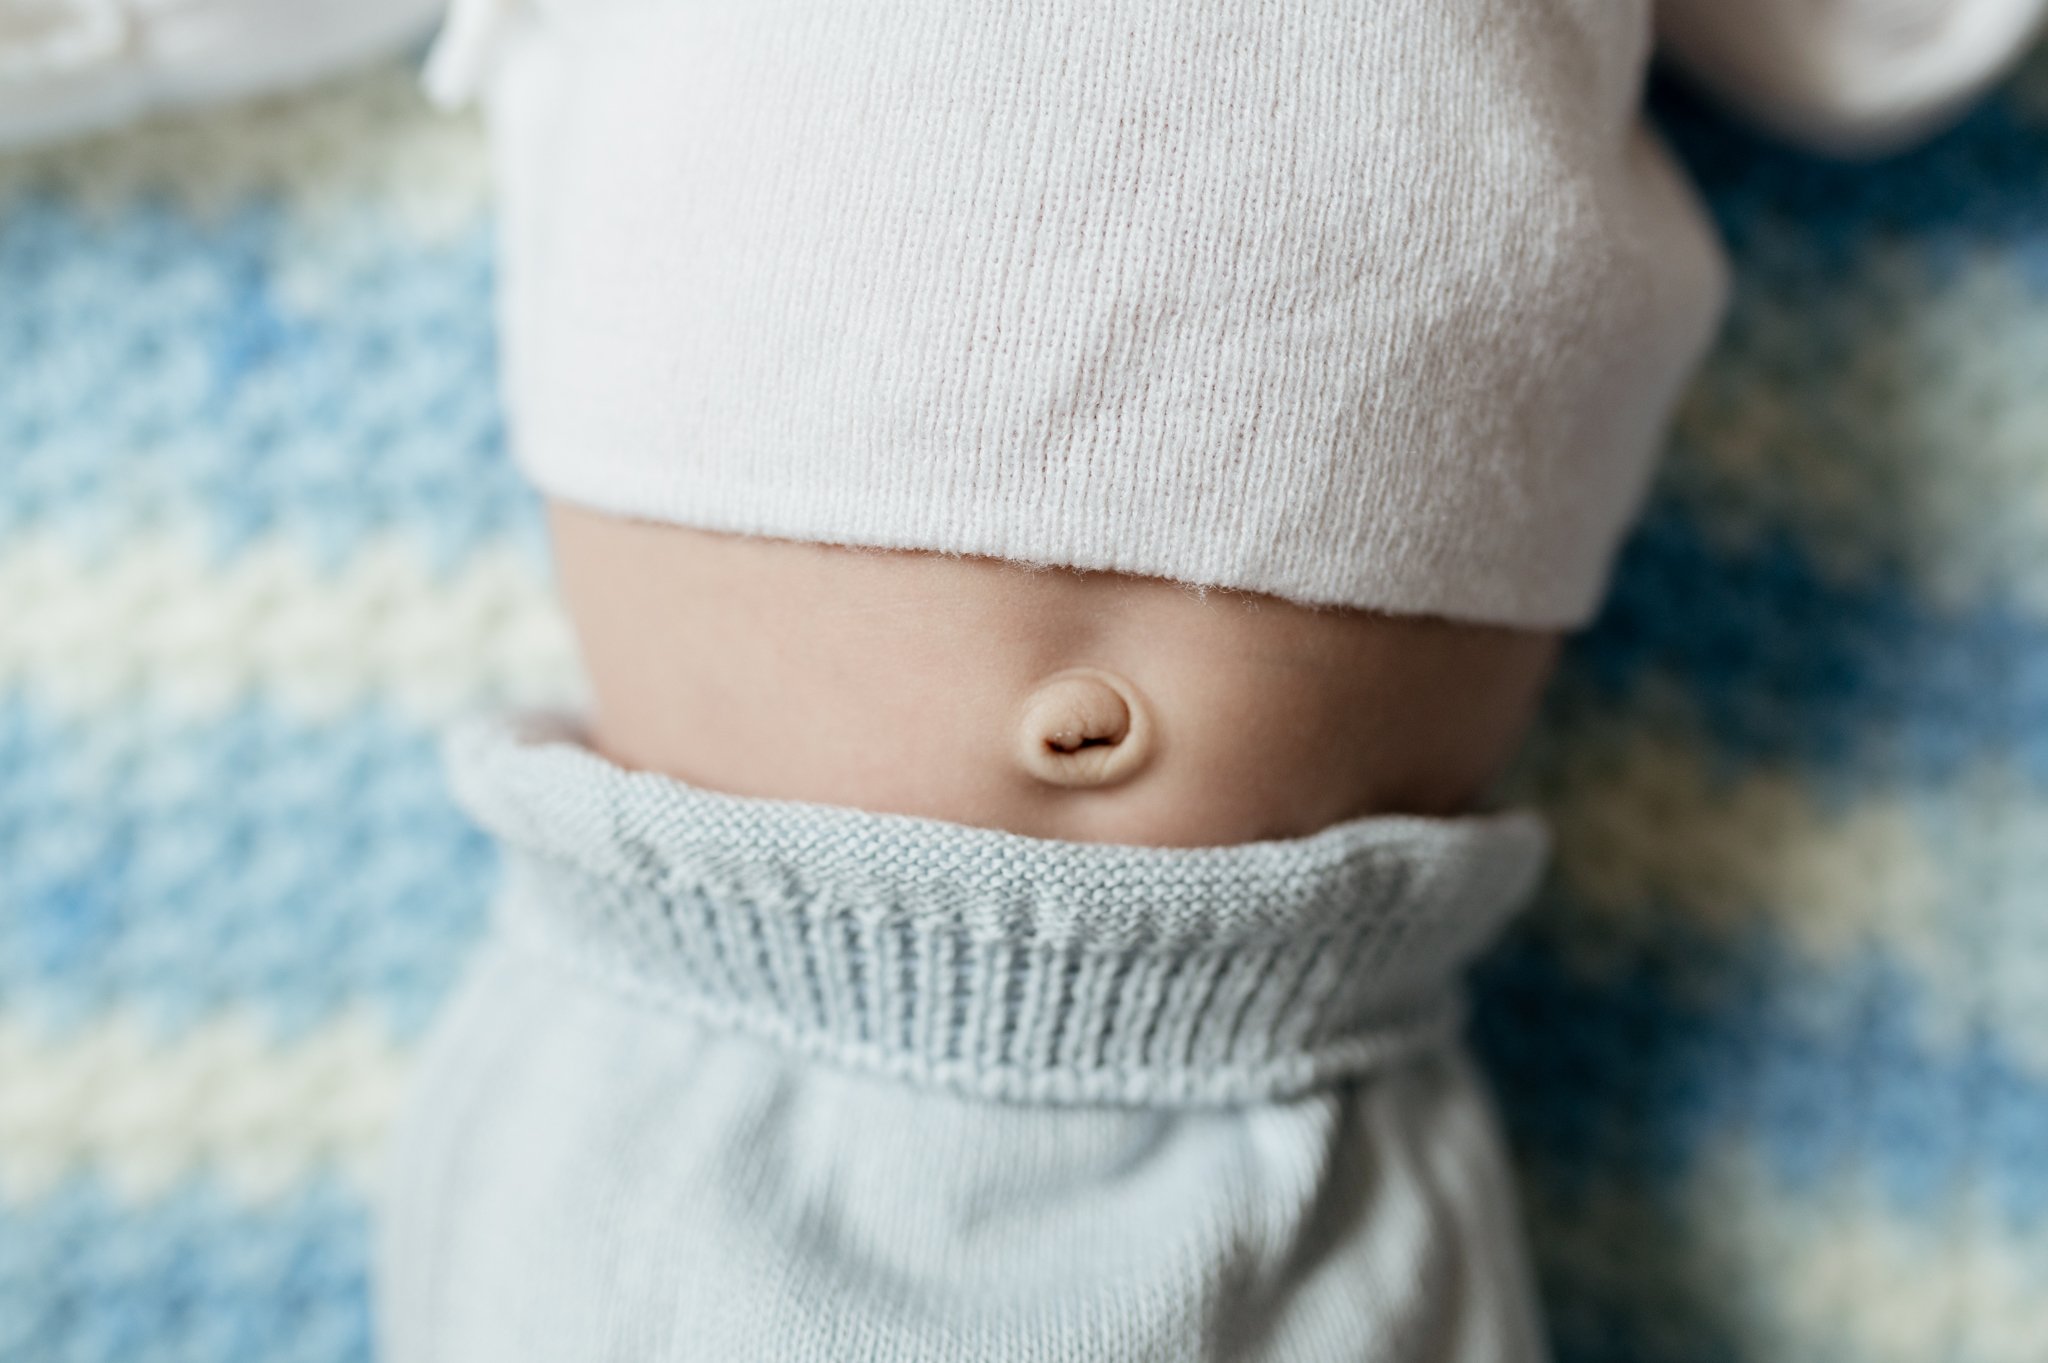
[{"x": 1090, "y": 706}]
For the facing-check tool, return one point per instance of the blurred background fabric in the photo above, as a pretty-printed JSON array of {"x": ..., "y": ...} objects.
[{"x": 1772, "y": 1050}]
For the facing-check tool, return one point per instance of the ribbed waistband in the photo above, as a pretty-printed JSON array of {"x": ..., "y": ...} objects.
[{"x": 989, "y": 962}]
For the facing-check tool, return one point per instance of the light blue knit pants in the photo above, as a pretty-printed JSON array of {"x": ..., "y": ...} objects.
[{"x": 744, "y": 1079}]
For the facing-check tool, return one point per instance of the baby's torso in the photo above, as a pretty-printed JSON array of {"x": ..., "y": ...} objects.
[{"x": 919, "y": 684}]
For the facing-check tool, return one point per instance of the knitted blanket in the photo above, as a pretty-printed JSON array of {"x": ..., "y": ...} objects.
[{"x": 1773, "y": 1050}]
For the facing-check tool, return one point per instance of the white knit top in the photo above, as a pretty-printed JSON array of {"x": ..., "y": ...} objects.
[{"x": 1381, "y": 303}]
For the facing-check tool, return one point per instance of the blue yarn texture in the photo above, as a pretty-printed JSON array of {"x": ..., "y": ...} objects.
[{"x": 1772, "y": 1048}]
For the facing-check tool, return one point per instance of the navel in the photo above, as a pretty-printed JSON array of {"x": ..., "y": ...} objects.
[{"x": 1084, "y": 728}]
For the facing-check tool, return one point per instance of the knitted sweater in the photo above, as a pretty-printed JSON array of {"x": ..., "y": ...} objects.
[{"x": 1377, "y": 305}]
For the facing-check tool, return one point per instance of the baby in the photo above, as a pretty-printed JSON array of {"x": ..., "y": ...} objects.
[{"x": 1067, "y": 508}]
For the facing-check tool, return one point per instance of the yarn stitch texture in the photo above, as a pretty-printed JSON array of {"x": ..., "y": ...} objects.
[
  {"x": 1771, "y": 1048},
  {"x": 987, "y": 963}
]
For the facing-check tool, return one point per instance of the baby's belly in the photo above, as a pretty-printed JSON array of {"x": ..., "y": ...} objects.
[{"x": 1083, "y": 705}]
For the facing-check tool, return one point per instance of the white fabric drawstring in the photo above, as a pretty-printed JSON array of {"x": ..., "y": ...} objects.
[{"x": 462, "y": 53}]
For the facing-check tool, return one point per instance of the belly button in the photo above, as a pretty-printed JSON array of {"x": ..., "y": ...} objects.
[{"x": 1084, "y": 728}]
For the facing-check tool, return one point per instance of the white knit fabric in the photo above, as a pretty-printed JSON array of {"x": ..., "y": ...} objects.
[
  {"x": 1375, "y": 304},
  {"x": 1382, "y": 305}
]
